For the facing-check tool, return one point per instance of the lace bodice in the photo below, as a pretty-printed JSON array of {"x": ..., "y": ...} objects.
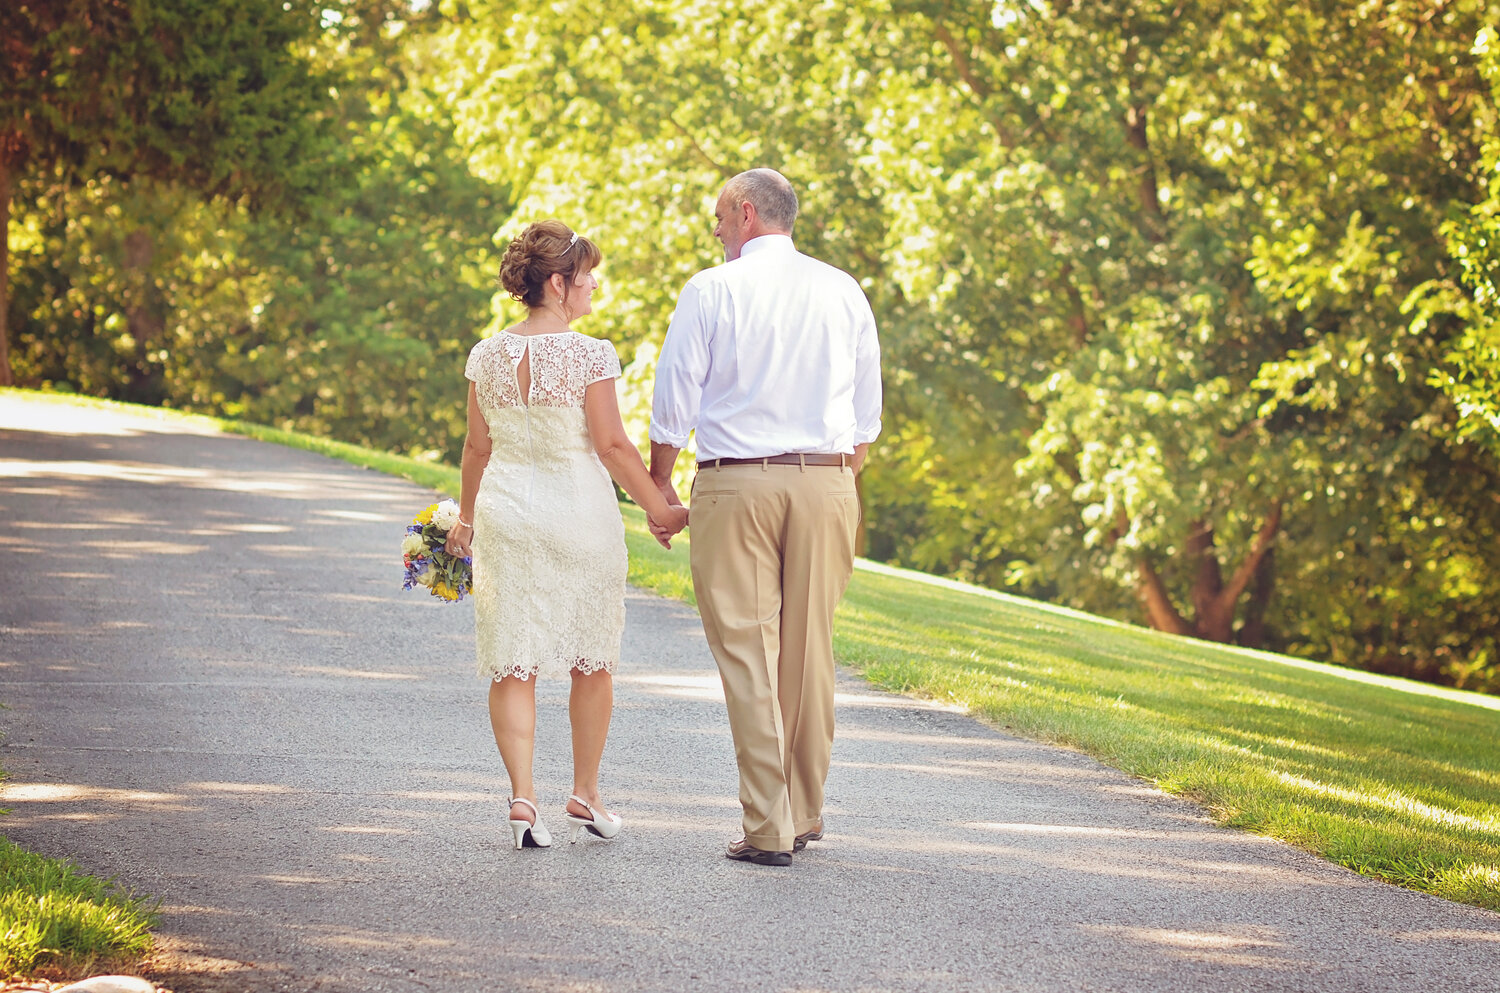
[{"x": 562, "y": 367}]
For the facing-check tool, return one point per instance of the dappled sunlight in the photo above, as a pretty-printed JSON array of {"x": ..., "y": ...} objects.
[
  {"x": 289, "y": 880},
  {"x": 221, "y": 529},
  {"x": 988, "y": 741},
  {"x": 14, "y": 792},
  {"x": 446, "y": 796},
  {"x": 944, "y": 771},
  {"x": 20, "y": 411},
  {"x": 1395, "y": 801},
  {"x": 361, "y": 516},
  {"x": 1449, "y": 934},
  {"x": 1292, "y": 745},
  {"x": 340, "y": 673},
  {"x": 704, "y": 688},
  {"x": 1169, "y": 938},
  {"x": 122, "y": 549},
  {"x": 1258, "y": 948},
  {"x": 882, "y": 700},
  {"x": 255, "y": 789},
  {"x": 1165, "y": 858},
  {"x": 1083, "y": 830}
]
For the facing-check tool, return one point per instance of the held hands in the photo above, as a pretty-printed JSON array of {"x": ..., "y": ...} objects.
[
  {"x": 663, "y": 529},
  {"x": 675, "y": 520}
]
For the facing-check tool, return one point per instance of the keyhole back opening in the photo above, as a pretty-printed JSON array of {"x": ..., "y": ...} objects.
[{"x": 523, "y": 374}]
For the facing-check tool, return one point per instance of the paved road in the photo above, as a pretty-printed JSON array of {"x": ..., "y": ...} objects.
[{"x": 220, "y": 696}]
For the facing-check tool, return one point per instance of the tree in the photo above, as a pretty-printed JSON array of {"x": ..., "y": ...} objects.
[{"x": 211, "y": 94}]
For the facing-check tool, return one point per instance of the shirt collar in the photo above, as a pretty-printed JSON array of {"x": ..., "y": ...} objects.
[{"x": 767, "y": 242}]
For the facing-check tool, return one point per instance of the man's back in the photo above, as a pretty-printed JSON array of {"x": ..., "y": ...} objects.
[{"x": 784, "y": 349}]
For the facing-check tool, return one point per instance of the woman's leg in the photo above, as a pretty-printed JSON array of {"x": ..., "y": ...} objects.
[
  {"x": 513, "y": 718},
  {"x": 589, "y": 707}
]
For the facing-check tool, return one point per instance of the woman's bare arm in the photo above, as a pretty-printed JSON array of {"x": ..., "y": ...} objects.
[
  {"x": 476, "y": 458},
  {"x": 607, "y": 431}
]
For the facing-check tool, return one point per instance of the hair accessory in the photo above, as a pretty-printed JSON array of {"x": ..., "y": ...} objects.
[{"x": 573, "y": 240}]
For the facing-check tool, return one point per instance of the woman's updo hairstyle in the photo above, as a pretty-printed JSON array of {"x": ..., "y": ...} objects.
[{"x": 544, "y": 248}]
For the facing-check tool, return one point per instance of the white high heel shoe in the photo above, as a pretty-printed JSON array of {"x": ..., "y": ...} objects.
[
  {"x": 603, "y": 826},
  {"x": 529, "y": 834}
]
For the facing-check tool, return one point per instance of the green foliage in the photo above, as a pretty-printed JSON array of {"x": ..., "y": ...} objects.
[
  {"x": 1139, "y": 278},
  {"x": 215, "y": 96},
  {"x": 211, "y": 94},
  {"x": 349, "y": 316},
  {"x": 51, "y": 915}
]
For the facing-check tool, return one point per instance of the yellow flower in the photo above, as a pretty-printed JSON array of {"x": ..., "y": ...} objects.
[{"x": 425, "y": 516}]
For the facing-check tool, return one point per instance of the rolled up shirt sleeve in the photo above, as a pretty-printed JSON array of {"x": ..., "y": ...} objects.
[
  {"x": 681, "y": 371},
  {"x": 869, "y": 395}
]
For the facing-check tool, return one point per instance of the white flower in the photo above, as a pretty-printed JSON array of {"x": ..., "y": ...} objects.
[
  {"x": 413, "y": 544},
  {"x": 446, "y": 515}
]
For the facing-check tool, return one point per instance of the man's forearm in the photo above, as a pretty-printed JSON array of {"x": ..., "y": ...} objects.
[{"x": 663, "y": 460}]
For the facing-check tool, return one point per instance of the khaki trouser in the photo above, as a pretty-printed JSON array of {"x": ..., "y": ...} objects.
[{"x": 772, "y": 552}]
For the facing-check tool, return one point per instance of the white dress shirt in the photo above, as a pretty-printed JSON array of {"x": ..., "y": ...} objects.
[{"x": 773, "y": 352}]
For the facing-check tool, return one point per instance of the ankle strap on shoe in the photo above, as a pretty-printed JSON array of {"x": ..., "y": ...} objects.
[
  {"x": 521, "y": 799},
  {"x": 586, "y": 805}
]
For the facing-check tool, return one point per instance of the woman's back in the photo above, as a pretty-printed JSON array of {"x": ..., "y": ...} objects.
[{"x": 549, "y": 545}]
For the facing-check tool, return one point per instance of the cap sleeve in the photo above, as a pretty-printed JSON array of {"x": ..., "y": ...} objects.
[
  {"x": 603, "y": 363},
  {"x": 471, "y": 367}
]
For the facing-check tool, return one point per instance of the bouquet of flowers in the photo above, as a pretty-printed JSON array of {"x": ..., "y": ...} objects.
[{"x": 428, "y": 563}]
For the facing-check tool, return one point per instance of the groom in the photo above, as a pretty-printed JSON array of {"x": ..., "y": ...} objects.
[{"x": 772, "y": 358}]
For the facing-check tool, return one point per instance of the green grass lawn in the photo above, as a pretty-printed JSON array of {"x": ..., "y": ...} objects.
[
  {"x": 55, "y": 919},
  {"x": 1396, "y": 779}
]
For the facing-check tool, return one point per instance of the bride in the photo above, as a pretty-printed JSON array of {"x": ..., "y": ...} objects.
[{"x": 539, "y": 516}]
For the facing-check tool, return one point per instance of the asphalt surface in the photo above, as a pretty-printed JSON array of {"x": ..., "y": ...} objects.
[{"x": 219, "y": 695}]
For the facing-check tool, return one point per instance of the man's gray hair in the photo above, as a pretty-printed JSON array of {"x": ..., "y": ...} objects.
[{"x": 772, "y": 194}]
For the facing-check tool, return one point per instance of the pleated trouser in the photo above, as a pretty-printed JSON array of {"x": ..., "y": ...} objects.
[{"x": 772, "y": 553}]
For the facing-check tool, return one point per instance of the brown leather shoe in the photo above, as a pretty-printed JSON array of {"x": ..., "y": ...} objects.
[
  {"x": 816, "y": 834},
  {"x": 742, "y": 851}
]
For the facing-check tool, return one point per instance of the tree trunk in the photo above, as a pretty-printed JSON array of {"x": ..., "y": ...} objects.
[
  {"x": 6, "y": 379},
  {"x": 1214, "y": 600},
  {"x": 1158, "y": 603},
  {"x": 1253, "y": 631}
]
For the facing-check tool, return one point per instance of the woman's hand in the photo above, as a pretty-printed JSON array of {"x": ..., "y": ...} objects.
[{"x": 458, "y": 540}]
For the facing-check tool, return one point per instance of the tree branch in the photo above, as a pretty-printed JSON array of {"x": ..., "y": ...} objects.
[
  {"x": 722, "y": 170},
  {"x": 1136, "y": 134},
  {"x": 1264, "y": 539},
  {"x": 977, "y": 86}
]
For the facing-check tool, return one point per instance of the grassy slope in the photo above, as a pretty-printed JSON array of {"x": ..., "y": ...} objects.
[{"x": 1393, "y": 778}]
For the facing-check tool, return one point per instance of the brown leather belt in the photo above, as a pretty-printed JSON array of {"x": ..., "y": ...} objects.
[{"x": 799, "y": 459}]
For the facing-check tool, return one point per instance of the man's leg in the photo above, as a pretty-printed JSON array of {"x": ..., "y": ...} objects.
[
  {"x": 738, "y": 521},
  {"x": 820, "y": 533}
]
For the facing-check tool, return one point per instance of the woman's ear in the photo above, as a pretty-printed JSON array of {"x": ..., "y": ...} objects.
[{"x": 558, "y": 283}]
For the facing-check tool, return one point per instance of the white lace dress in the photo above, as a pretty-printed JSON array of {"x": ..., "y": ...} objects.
[{"x": 549, "y": 544}]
